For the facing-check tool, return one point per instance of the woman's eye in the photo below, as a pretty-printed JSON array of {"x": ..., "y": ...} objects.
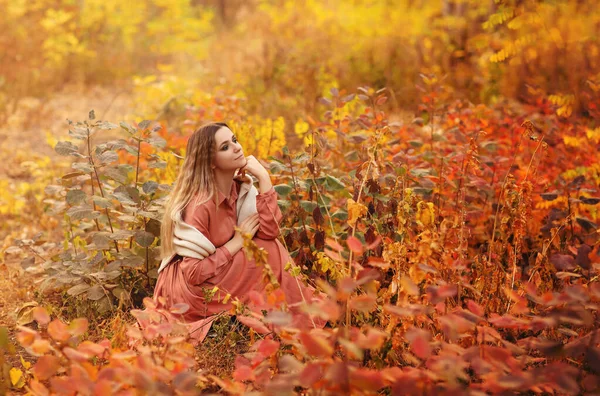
[
  {"x": 234, "y": 140},
  {"x": 224, "y": 148}
]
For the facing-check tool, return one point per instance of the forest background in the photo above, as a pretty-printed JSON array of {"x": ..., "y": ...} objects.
[{"x": 436, "y": 162}]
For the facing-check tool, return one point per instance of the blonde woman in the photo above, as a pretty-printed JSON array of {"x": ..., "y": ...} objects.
[{"x": 199, "y": 244}]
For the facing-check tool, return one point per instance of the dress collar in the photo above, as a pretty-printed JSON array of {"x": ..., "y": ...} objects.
[{"x": 233, "y": 194}]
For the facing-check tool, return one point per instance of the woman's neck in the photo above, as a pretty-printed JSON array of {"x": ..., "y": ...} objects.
[{"x": 224, "y": 180}]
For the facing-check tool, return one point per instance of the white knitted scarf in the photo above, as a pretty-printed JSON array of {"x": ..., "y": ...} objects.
[{"x": 189, "y": 242}]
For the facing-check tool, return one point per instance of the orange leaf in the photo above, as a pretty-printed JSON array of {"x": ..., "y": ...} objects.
[
  {"x": 40, "y": 346},
  {"x": 26, "y": 336},
  {"x": 58, "y": 330},
  {"x": 38, "y": 388},
  {"x": 363, "y": 379},
  {"x": 46, "y": 367},
  {"x": 103, "y": 387},
  {"x": 78, "y": 327}
]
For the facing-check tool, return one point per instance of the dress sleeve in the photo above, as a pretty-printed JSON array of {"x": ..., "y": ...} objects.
[
  {"x": 269, "y": 215},
  {"x": 199, "y": 271}
]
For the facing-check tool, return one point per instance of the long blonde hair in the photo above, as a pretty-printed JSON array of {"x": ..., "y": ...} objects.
[{"x": 195, "y": 179}]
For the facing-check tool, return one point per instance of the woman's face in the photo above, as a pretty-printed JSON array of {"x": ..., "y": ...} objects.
[{"x": 229, "y": 155}]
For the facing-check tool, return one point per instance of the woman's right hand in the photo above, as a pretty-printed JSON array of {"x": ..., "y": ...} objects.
[{"x": 249, "y": 226}]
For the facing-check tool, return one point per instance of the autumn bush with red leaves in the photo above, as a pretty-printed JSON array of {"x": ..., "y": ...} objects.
[{"x": 458, "y": 254}]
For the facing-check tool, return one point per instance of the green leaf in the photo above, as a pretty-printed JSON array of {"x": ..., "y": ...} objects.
[
  {"x": 157, "y": 142},
  {"x": 95, "y": 293},
  {"x": 107, "y": 125},
  {"x": 79, "y": 133},
  {"x": 144, "y": 238},
  {"x": 82, "y": 212},
  {"x": 144, "y": 124},
  {"x": 340, "y": 214},
  {"x": 158, "y": 165},
  {"x": 116, "y": 174},
  {"x": 108, "y": 157},
  {"x": 122, "y": 195},
  {"x": 308, "y": 206},
  {"x": 150, "y": 187},
  {"x": 101, "y": 240},
  {"x": 66, "y": 148},
  {"x": 283, "y": 190},
  {"x": 132, "y": 261},
  {"x": 102, "y": 202},
  {"x": 126, "y": 126},
  {"x": 53, "y": 189},
  {"x": 75, "y": 197},
  {"x": 84, "y": 167},
  {"x": 78, "y": 289},
  {"x": 333, "y": 183}
]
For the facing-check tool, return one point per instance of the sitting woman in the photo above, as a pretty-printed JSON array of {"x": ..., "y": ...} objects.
[{"x": 201, "y": 248}]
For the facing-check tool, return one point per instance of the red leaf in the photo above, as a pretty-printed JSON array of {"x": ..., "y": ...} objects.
[
  {"x": 41, "y": 316},
  {"x": 363, "y": 303},
  {"x": 243, "y": 373},
  {"x": 311, "y": 374},
  {"x": 475, "y": 308},
  {"x": 375, "y": 338},
  {"x": 180, "y": 308},
  {"x": 46, "y": 367},
  {"x": 254, "y": 324},
  {"x": 563, "y": 262},
  {"x": 366, "y": 380},
  {"x": 63, "y": 386},
  {"x": 91, "y": 348},
  {"x": 419, "y": 342},
  {"x": 355, "y": 245},
  {"x": 316, "y": 345},
  {"x": 267, "y": 347},
  {"x": 75, "y": 355}
]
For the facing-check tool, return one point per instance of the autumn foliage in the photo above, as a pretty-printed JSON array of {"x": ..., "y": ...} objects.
[{"x": 457, "y": 247}]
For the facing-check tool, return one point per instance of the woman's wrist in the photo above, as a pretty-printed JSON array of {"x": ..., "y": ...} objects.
[
  {"x": 264, "y": 183},
  {"x": 235, "y": 244}
]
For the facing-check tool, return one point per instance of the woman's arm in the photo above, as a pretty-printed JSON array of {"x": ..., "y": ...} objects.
[
  {"x": 197, "y": 271},
  {"x": 266, "y": 202}
]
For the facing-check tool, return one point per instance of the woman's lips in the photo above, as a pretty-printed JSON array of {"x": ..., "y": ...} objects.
[{"x": 239, "y": 157}]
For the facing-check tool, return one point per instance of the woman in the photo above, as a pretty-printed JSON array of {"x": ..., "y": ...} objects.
[{"x": 199, "y": 242}]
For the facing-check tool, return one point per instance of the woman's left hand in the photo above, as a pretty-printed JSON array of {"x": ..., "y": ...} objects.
[{"x": 255, "y": 168}]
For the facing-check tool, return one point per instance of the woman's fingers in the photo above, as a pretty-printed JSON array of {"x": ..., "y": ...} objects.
[{"x": 250, "y": 223}]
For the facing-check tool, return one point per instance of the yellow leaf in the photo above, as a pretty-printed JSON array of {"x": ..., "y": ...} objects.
[
  {"x": 16, "y": 377},
  {"x": 571, "y": 140},
  {"x": 25, "y": 364},
  {"x": 355, "y": 211},
  {"x": 425, "y": 213}
]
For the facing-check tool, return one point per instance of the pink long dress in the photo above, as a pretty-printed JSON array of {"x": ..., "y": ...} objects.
[{"x": 186, "y": 280}]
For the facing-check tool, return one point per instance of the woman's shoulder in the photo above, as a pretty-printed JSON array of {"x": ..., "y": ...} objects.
[{"x": 198, "y": 207}]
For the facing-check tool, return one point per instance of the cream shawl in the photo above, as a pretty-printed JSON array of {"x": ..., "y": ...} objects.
[{"x": 189, "y": 242}]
